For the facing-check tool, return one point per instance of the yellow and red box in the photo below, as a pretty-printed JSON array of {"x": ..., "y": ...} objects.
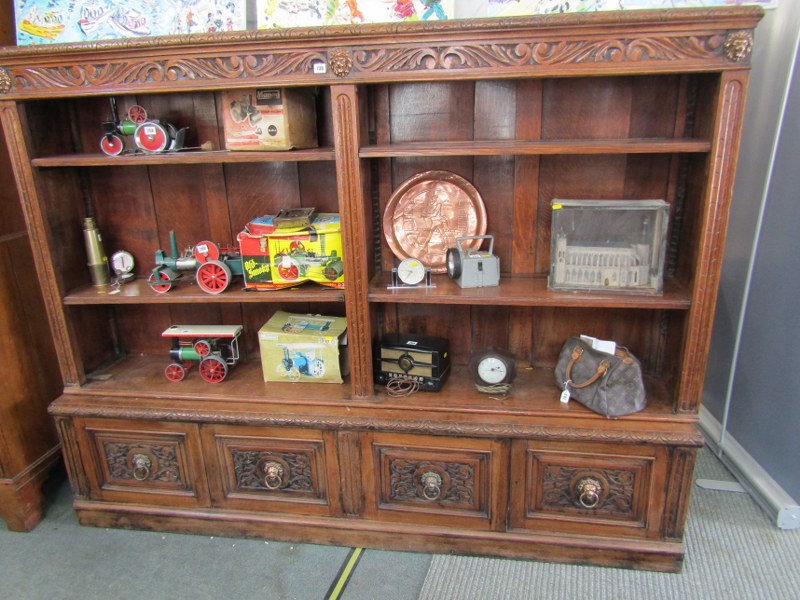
[{"x": 276, "y": 257}]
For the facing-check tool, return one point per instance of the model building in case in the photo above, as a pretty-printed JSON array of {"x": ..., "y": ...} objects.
[{"x": 608, "y": 245}]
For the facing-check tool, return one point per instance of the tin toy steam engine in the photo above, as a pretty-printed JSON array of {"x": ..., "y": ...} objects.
[
  {"x": 214, "y": 266},
  {"x": 149, "y": 135},
  {"x": 214, "y": 347}
]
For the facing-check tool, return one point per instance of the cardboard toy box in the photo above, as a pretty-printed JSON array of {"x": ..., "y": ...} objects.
[
  {"x": 304, "y": 348},
  {"x": 269, "y": 119},
  {"x": 277, "y": 257}
]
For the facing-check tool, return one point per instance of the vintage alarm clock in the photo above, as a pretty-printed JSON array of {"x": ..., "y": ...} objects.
[
  {"x": 122, "y": 263},
  {"x": 491, "y": 367},
  {"x": 473, "y": 268},
  {"x": 421, "y": 359},
  {"x": 411, "y": 271}
]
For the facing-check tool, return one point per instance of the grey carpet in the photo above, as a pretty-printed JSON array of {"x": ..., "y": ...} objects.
[{"x": 733, "y": 552}]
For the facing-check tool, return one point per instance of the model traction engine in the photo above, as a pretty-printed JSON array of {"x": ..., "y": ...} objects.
[
  {"x": 214, "y": 347},
  {"x": 149, "y": 135},
  {"x": 214, "y": 266}
]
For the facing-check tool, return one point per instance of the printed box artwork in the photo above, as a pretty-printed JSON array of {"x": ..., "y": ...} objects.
[
  {"x": 66, "y": 21},
  {"x": 275, "y": 257},
  {"x": 309, "y": 13},
  {"x": 304, "y": 348},
  {"x": 270, "y": 119}
]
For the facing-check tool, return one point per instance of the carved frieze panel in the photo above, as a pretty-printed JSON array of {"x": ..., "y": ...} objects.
[{"x": 356, "y": 59}]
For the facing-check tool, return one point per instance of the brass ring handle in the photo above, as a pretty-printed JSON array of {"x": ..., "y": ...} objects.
[
  {"x": 273, "y": 475},
  {"x": 141, "y": 467},
  {"x": 589, "y": 491},
  {"x": 577, "y": 353},
  {"x": 431, "y": 485}
]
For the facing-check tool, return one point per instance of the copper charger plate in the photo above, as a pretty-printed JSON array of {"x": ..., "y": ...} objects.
[{"x": 428, "y": 212}]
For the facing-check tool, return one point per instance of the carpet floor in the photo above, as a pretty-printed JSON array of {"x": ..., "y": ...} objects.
[{"x": 733, "y": 552}]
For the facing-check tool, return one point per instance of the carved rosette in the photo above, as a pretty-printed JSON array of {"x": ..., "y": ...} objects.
[
  {"x": 559, "y": 490},
  {"x": 738, "y": 45},
  {"x": 5, "y": 81},
  {"x": 250, "y": 468},
  {"x": 124, "y": 462},
  {"x": 340, "y": 62},
  {"x": 457, "y": 480}
]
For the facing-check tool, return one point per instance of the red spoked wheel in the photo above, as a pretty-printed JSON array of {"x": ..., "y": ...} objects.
[
  {"x": 206, "y": 251},
  {"x": 164, "y": 276},
  {"x": 297, "y": 247},
  {"x": 202, "y": 347},
  {"x": 175, "y": 372},
  {"x": 137, "y": 114},
  {"x": 287, "y": 269},
  {"x": 112, "y": 144},
  {"x": 151, "y": 137},
  {"x": 214, "y": 276},
  {"x": 213, "y": 369}
]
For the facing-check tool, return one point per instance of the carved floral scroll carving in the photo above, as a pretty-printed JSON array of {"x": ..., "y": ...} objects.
[
  {"x": 617, "y": 500},
  {"x": 459, "y": 477},
  {"x": 518, "y": 54},
  {"x": 163, "y": 459},
  {"x": 249, "y": 472},
  {"x": 379, "y": 59}
]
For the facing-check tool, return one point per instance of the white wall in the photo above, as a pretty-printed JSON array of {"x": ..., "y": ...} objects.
[{"x": 753, "y": 384}]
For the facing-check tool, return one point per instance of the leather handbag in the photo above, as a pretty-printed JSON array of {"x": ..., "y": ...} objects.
[{"x": 610, "y": 384}]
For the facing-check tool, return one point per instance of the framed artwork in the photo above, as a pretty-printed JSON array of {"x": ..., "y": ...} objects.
[
  {"x": 533, "y": 7},
  {"x": 66, "y": 21}
]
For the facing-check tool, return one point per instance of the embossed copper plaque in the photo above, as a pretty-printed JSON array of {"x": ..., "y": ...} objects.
[{"x": 428, "y": 212}]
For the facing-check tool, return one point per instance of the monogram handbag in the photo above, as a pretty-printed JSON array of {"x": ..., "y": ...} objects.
[{"x": 610, "y": 384}]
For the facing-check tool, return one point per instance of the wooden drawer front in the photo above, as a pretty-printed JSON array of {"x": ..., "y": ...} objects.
[
  {"x": 452, "y": 480},
  {"x": 591, "y": 489},
  {"x": 151, "y": 463},
  {"x": 273, "y": 469}
]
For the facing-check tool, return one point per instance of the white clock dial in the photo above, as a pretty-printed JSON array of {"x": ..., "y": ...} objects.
[
  {"x": 122, "y": 264},
  {"x": 411, "y": 271},
  {"x": 492, "y": 370}
]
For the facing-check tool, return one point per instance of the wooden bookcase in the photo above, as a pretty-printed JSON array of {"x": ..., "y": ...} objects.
[
  {"x": 29, "y": 448},
  {"x": 608, "y": 106}
]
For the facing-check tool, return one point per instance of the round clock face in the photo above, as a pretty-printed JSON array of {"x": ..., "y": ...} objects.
[
  {"x": 492, "y": 366},
  {"x": 122, "y": 262},
  {"x": 492, "y": 370},
  {"x": 411, "y": 271}
]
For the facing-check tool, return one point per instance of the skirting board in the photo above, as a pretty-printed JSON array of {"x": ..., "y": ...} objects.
[{"x": 760, "y": 485}]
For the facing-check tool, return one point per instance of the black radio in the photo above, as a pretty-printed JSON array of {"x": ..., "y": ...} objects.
[{"x": 423, "y": 359}]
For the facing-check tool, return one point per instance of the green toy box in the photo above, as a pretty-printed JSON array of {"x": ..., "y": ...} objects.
[{"x": 304, "y": 348}]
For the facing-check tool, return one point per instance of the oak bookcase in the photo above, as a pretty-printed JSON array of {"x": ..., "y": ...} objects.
[{"x": 639, "y": 104}]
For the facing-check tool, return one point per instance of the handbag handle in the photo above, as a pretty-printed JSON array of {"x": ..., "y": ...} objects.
[{"x": 577, "y": 353}]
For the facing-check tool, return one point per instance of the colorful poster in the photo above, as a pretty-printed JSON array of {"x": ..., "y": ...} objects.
[
  {"x": 539, "y": 7},
  {"x": 308, "y": 13},
  {"x": 62, "y": 21}
]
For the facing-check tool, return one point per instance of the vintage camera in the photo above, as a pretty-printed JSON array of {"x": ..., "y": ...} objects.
[
  {"x": 473, "y": 268},
  {"x": 423, "y": 359}
]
